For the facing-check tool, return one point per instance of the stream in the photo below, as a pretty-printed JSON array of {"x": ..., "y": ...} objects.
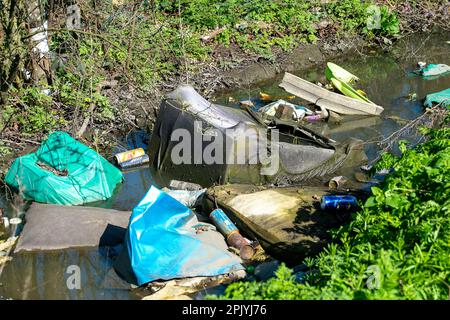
[{"x": 384, "y": 77}]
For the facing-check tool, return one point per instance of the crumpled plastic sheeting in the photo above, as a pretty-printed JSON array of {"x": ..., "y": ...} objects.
[
  {"x": 162, "y": 242},
  {"x": 442, "y": 97},
  {"x": 433, "y": 70},
  {"x": 90, "y": 176},
  {"x": 187, "y": 197}
]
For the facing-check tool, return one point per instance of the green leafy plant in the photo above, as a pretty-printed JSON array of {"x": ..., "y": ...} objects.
[{"x": 396, "y": 247}]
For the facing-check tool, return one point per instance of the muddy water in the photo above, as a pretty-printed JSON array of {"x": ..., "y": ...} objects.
[{"x": 385, "y": 79}]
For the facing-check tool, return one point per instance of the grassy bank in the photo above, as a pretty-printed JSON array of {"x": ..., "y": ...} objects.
[
  {"x": 396, "y": 247},
  {"x": 110, "y": 73}
]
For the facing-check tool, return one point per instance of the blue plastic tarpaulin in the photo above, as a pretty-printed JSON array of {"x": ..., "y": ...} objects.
[{"x": 162, "y": 242}]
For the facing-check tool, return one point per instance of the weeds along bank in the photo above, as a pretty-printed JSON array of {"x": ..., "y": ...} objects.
[
  {"x": 109, "y": 62},
  {"x": 396, "y": 247}
]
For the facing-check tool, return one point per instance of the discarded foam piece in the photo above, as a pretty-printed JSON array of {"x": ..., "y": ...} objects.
[
  {"x": 53, "y": 227},
  {"x": 287, "y": 222}
]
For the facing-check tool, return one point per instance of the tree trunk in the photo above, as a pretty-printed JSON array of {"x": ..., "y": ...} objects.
[{"x": 40, "y": 60}]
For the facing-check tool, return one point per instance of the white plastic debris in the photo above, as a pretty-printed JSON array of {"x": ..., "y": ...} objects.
[
  {"x": 41, "y": 39},
  {"x": 14, "y": 221},
  {"x": 6, "y": 222},
  {"x": 187, "y": 197},
  {"x": 271, "y": 108}
]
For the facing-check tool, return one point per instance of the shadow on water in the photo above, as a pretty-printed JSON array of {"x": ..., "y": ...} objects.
[{"x": 384, "y": 77}]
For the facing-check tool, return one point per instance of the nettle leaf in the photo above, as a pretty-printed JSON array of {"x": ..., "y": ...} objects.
[
  {"x": 370, "y": 202},
  {"x": 394, "y": 200}
]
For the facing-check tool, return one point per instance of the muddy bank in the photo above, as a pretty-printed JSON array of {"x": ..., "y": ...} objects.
[{"x": 301, "y": 58}]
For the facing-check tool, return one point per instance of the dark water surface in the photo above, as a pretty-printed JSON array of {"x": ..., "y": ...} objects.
[{"x": 384, "y": 77}]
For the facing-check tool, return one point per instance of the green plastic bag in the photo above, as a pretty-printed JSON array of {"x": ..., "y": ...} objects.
[
  {"x": 63, "y": 171},
  {"x": 442, "y": 97}
]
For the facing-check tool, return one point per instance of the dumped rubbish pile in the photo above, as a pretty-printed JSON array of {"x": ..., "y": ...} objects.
[{"x": 218, "y": 205}]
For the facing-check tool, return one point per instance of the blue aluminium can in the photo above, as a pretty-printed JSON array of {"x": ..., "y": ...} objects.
[
  {"x": 222, "y": 222},
  {"x": 339, "y": 203}
]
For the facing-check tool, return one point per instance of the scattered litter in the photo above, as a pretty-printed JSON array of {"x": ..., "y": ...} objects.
[
  {"x": 342, "y": 80},
  {"x": 265, "y": 97},
  {"x": 432, "y": 71},
  {"x": 337, "y": 182},
  {"x": 271, "y": 216},
  {"x": 421, "y": 64},
  {"x": 3, "y": 253},
  {"x": 161, "y": 243},
  {"x": 199, "y": 228},
  {"x": 129, "y": 155},
  {"x": 179, "y": 289},
  {"x": 314, "y": 118},
  {"x": 90, "y": 177},
  {"x": 441, "y": 97},
  {"x": 246, "y": 103},
  {"x": 5, "y": 259},
  {"x": 412, "y": 96},
  {"x": 284, "y": 110},
  {"x": 15, "y": 221},
  {"x": 188, "y": 198},
  {"x": 339, "y": 203},
  {"x": 361, "y": 177},
  {"x": 183, "y": 185},
  {"x": 5, "y": 222},
  {"x": 8, "y": 243},
  {"x": 324, "y": 113},
  {"x": 334, "y": 71},
  {"x": 135, "y": 161}
]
